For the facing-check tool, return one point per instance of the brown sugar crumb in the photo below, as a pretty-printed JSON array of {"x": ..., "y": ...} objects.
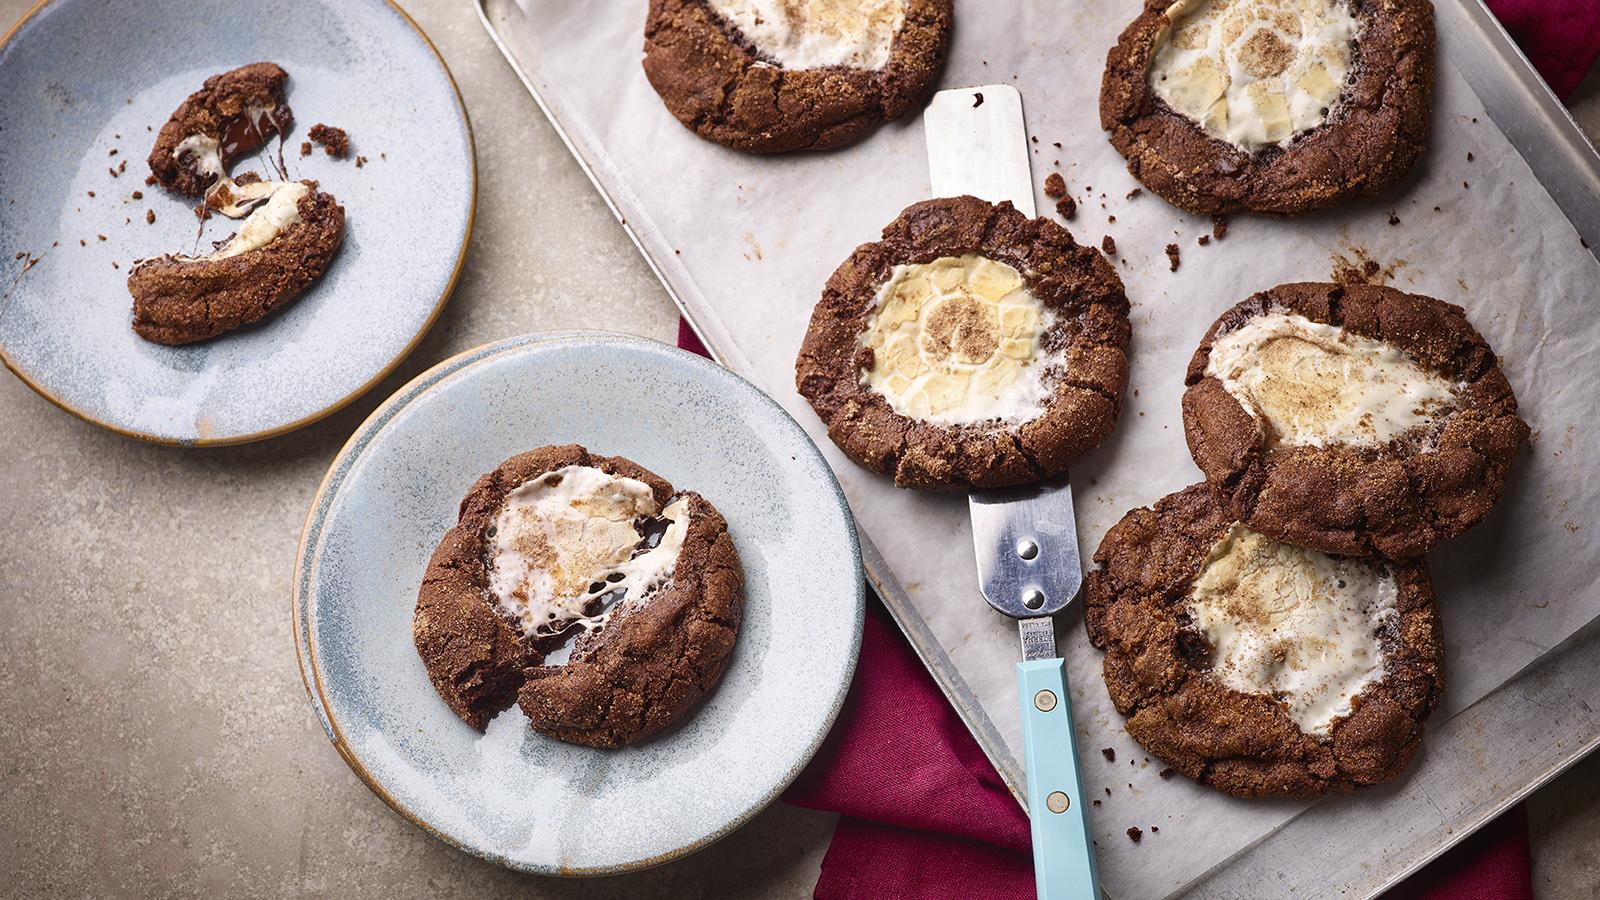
[
  {"x": 1135, "y": 835},
  {"x": 1219, "y": 227},
  {"x": 305, "y": 149},
  {"x": 1067, "y": 208},
  {"x": 1394, "y": 219},
  {"x": 1109, "y": 245},
  {"x": 1109, "y": 753},
  {"x": 138, "y": 195},
  {"x": 1204, "y": 239},
  {"x": 1055, "y": 187},
  {"x": 1172, "y": 257},
  {"x": 334, "y": 141},
  {"x": 1165, "y": 773},
  {"x": 1134, "y": 193},
  {"x": 361, "y": 161},
  {"x": 150, "y": 216}
]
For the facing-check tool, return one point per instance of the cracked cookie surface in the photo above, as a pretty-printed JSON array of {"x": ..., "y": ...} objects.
[
  {"x": 1408, "y": 472},
  {"x": 970, "y": 347},
  {"x": 1312, "y": 141},
  {"x": 726, "y": 86},
  {"x": 1185, "y": 622},
  {"x": 643, "y": 661}
]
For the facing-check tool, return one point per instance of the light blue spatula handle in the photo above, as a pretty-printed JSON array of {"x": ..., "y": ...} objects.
[{"x": 1063, "y": 855}]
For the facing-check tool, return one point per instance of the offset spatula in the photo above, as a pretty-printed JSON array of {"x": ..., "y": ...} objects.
[{"x": 1026, "y": 538}]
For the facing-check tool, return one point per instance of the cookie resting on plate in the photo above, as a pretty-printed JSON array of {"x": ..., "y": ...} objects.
[
  {"x": 1351, "y": 419},
  {"x": 585, "y": 589},
  {"x": 1256, "y": 667},
  {"x": 1270, "y": 106},
  {"x": 767, "y": 76},
  {"x": 970, "y": 347}
]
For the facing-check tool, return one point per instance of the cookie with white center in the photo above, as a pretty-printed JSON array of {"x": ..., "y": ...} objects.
[
  {"x": 1351, "y": 419},
  {"x": 283, "y": 245},
  {"x": 970, "y": 347},
  {"x": 585, "y": 589},
  {"x": 767, "y": 76},
  {"x": 1256, "y": 667},
  {"x": 1270, "y": 106},
  {"x": 231, "y": 116}
]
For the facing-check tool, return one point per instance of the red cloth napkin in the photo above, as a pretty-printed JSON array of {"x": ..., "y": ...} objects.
[{"x": 924, "y": 814}]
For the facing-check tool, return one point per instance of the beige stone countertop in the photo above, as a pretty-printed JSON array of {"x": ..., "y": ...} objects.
[{"x": 156, "y": 739}]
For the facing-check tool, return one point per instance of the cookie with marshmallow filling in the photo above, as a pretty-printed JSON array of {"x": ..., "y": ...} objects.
[
  {"x": 767, "y": 76},
  {"x": 1351, "y": 418},
  {"x": 585, "y": 589},
  {"x": 283, "y": 245},
  {"x": 231, "y": 116},
  {"x": 970, "y": 347},
  {"x": 1270, "y": 106},
  {"x": 1256, "y": 667}
]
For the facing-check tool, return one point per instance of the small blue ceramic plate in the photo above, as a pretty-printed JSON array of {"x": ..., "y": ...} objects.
[
  {"x": 83, "y": 78},
  {"x": 513, "y": 796}
]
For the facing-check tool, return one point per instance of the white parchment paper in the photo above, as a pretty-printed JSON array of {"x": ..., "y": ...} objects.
[{"x": 747, "y": 243}]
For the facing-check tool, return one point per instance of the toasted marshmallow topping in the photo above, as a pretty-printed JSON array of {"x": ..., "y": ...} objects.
[
  {"x": 1292, "y": 623},
  {"x": 814, "y": 34},
  {"x": 1254, "y": 73},
  {"x": 269, "y": 220},
  {"x": 1310, "y": 383},
  {"x": 956, "y": 342},
  {"x": 570, "y": 541}
]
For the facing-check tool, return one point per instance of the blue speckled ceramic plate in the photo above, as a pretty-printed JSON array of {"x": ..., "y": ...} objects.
[
  {"x": 80, "y": 78},
  {"x": 513, "y": 796}
]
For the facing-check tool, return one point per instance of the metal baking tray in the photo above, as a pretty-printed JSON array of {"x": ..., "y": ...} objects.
[{"x": 1474, "y": 765}]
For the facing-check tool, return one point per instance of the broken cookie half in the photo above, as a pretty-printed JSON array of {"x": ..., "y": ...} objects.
[
  {"x": 283, "y": 245},
  {"x": 585, "y": 589},
  {"x": 970, "y": 347},
  {"x": 232, "y": 115}
]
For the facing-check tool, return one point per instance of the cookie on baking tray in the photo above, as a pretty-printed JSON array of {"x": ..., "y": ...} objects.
[
  {"x": 970, "y": 347},
  {"x": 1351, "y": 418},
  {"x": 1256, "y": 667},
  {"x": 767, "y": 76},
  {"x": 585, "y": 589},
  {"x": 1270, "y": 106}
]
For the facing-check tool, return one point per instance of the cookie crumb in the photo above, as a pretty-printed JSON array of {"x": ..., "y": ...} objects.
[
  {"x": 1108, "y": 792},
  {"x": 149, "y": 180},
  {"x": 1109, "y": 753},
  {"x": 138, "y": 195},
  {"x": 1096, "y": 802},
  {"x": 1055, "y": 187},
  {"x": 1134, "y": 193},
  {"x": 113, "y": 152},
  {"x": 1067, "y": 208},
  {"x": 1172, "y": 257},
  {"x": 101, "y": 236},
  {"x": 1155, "y": 829},
  {"x": 91, "y": 193},
  {"x": 1109, "y": 245},
  {"x": 113, "y": 172},
  {"x": 150, "y": 216},
  {"x": 335, "y": 142},
  {"x": 114, "y": 265},
  {"x": 361, "y": 161},
  {"x": 1165, "y": 773},
  {"x": 1469, "y": 155},
  {"x": 1135, "y": 835},
  {"x": 1393, "y": 219},
  {"x": 1111, "y": 220},
  {"x": 1219, "y": 227},
  {"x": 977, "y": 99},
  {"x": 1204, "y": 240},
  {"x": 305, "y": 149}
]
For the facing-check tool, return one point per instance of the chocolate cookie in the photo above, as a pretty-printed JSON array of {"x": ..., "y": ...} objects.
[
  {"x": 1270, "y": 106},
  {"x": 585, "y": 589},
  {"x": 970, "y": 347},
  {"x": 1351, "y": 418},
  {"x": 766, "y": 76},
  {"x": 1256, "y": 667},
  {"x": 283, "y": 246},
  {"x": 231, "y": 116}
]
